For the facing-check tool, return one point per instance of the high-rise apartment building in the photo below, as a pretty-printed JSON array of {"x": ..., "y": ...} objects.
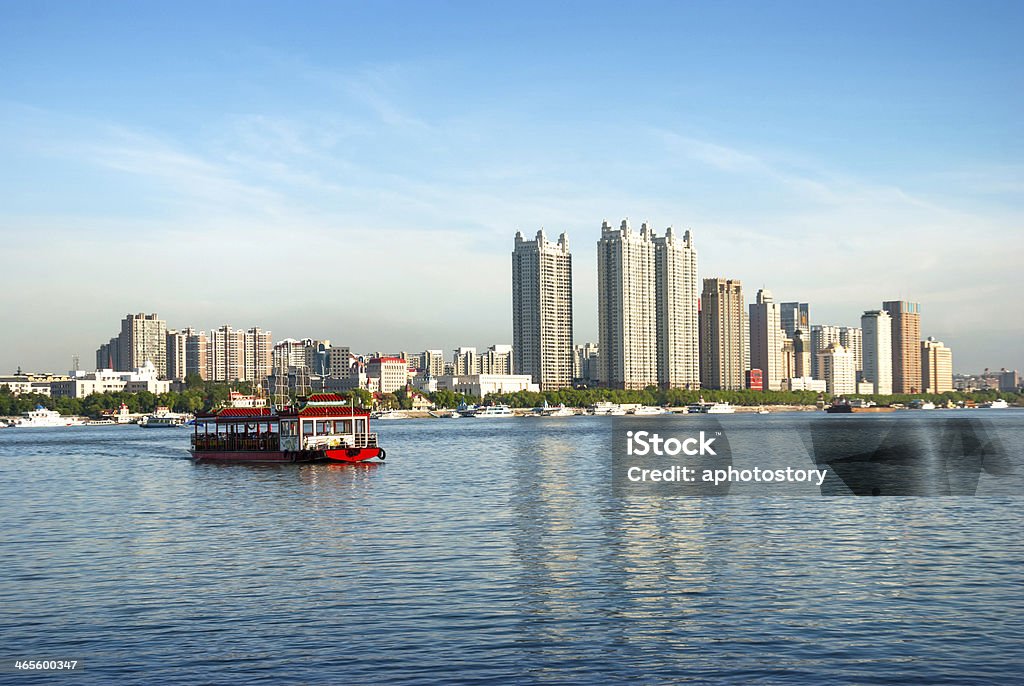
[
  {"x": 802, "y": 354},
  {"x": 822, "y": 336},
  {"x": 227, "y": 354},
  {"x": 723, "y": 335},
  {"x": 906, "y": 345},
  {"x": 836, "y": 364},
  {"x": 497, "y": 359},
  {"x": 795, "y": 316},
  {"x": 936, "y": 366},
  {"x": 586, "y": 360},
  {"x": 177, "y": 354},
  {"x": 288, "y": 354},
  {"x": 542, "y": 310},
  {"x": 259, "y": 349},
  {"x": 433, "y": 362},
  {"x": 143, "y": 338},
  {"x": 465, "y": 361},
  {"x": 108, "y": 355},
  {"x": 852, "y": 338},
  {"x": 877, "y": 362},
  {"x": 676, "y": 297},
  {"x": 197, "y": 354},
  {"x": 766, "y": 340},
  {"x": 627, "y": 320}
]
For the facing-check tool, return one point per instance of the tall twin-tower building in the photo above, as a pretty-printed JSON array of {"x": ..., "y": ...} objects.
[{"x": 647, "y": 309}]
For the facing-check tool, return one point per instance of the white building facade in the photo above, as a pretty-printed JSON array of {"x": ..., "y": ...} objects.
[
  {"x": 676, "y": 298},
  {"x": 542, "y": 319},
  {"x": 876, "y": 326}
]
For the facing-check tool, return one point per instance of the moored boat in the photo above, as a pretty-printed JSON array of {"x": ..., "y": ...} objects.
[
  {"x": 998, "y": 404},
  {"x": 492, "y": 411},
  {"x": 44, "y": 418},
  {"x": 163, "y": 418},
  {"x": 323, "y": 429},
  {"x": 647, "y": 411}
]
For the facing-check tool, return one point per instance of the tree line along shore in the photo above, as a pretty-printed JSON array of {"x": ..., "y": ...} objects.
[{"x": 204, "y": 396}]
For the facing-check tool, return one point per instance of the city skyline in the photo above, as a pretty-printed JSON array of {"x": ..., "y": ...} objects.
[{"x": 331, "y": 149}]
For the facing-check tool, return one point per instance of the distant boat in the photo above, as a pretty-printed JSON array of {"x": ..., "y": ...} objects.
[
  {"x": 42, "y": 418},
  {"x": 703, "y": 407},
  {"x": 389, "y": 414},
  {"x": 559, "y": 410},
  {"x": 761, "y": 409},
  {"x": 492, "y": 411},
  {"x": 999, "y": 404},
  {"x": 646, "y": 411}
]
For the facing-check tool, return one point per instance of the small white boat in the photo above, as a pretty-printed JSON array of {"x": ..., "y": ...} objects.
[
  {"x": 389, "y": 414},
  {"x": 704, "y": 407},
  {"x": 492, "y": 411},
  {"x": 647, "y": 411},
  {"x": 999, "y": 404},
  {"x": 559, "y": 410},
  {"x": 762, "y": 410}
]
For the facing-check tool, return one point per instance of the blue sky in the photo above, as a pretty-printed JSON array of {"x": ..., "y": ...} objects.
[{"x": 358, "y": 171}]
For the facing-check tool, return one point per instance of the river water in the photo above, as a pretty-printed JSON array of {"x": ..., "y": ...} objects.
[{"x": 495, "y": 550}]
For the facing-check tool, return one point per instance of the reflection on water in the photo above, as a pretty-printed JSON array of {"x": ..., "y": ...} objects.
[{"x": 499, "y": 550}]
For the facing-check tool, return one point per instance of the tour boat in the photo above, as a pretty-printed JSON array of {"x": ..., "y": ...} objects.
[
  {"x": 710, "y": 408},
  {"x": 646, "y": 410},
  {"x": 167, "y": 420},
  {"x": 492, "y": 411},
  {"x": 999, "y": 404},
  {"x": 323, "y": 429},
  {"x": 42, "y": 417}
]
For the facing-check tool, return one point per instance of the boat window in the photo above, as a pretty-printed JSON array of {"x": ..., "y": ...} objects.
[
  {"x": 323, "y": 427},
  {"x": 307, "y": 428}
]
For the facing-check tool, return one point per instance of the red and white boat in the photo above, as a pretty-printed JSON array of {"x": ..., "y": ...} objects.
[{"x": 324, "y": 429}]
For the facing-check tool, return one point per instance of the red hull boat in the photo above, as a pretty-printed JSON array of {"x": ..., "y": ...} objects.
[{"x": 323, "y": 429}]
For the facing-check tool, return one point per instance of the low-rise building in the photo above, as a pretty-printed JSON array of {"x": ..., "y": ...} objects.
[
  {"x": 481, "y": 385},
  {"x": 805, "y": 383},
  {"x": 83, "y": 384}
]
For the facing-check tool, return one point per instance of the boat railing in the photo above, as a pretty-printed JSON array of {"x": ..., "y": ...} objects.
[
  {"x": 234, "y": 443},
  {"x": 359, "y": 440}
]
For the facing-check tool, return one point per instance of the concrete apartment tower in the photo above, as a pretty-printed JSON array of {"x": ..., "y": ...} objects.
[
  {"x": 906, "y": 345},
  {"x": 836, "y": 364},
  {"x": 676, "y": 297},
  {"x": 852, "y": 338},
  {"x": 801, "y": 354},
  {"x": 724, "y": 343},
  {"x": 626, "y": 312},
  {"x": 143, "y": 339},
  {"x": 542, "y": 310},
  {"x": 177, "y": 354},
  {"x": 936, "y": 366},
  {"x": 197, "y": 354},
  {"x": 766, "y": 340},
  {"x": 877, "y": 338},
  {"x": 259, "y": 353},
  {"x": 795, "y": 316},
  {"x": 822, "y": 336}
]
